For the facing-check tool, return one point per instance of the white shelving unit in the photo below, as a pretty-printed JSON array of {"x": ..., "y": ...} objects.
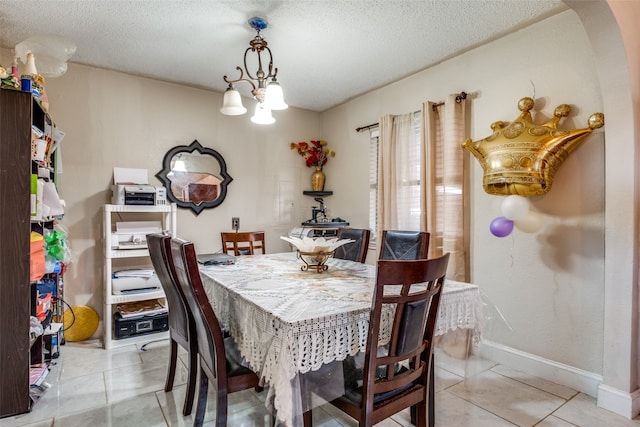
[{"x": 168, "y": 219}]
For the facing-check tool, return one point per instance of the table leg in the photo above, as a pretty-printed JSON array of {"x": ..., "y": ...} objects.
[{"x": 307, "y": 419}]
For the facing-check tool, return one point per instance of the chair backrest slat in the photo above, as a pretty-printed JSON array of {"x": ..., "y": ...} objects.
[
  {"x": 210, "y": 337},
  {"x": 356, "y": 251},
  {"x": 412, "y": 289},
  {"x": 404, "y": 245},
  {"x": 159, "y": 246},
  {"x": 243, "y": 243}
]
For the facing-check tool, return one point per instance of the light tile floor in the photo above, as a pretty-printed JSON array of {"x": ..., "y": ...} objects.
[{"x": 125, "y": 387}]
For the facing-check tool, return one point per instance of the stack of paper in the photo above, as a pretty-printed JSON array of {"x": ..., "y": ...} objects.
[{"x": 140, "y": 272}]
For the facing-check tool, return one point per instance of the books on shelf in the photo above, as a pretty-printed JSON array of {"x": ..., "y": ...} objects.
[
  {"x": 37, "y": 374},
  {"x": 141, "y": 308},
  {"x": 36, "y": 391}
]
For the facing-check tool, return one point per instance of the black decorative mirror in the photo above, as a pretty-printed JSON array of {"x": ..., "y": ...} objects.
[{"x": 195, "y": 177}]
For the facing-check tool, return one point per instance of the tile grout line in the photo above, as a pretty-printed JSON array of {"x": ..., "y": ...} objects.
[{"x": 478, "y": 406}]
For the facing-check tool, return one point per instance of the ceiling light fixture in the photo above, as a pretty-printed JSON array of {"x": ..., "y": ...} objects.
[{"x": 266, "y": 89}]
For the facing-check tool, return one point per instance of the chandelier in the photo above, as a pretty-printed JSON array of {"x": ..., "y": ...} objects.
[{"x": 265, "y": 87}]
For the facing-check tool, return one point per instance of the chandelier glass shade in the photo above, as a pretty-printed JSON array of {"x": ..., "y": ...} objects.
[
  {"x": 262, "y": 115},
  {"x": 265, "y": 87},
  {"x": 232, "y": 104}
]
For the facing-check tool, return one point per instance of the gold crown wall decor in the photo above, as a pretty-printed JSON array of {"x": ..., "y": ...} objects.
[{"x": 521, "y": 158}]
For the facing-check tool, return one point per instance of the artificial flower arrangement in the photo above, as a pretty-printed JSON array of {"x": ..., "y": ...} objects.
[
  {"x": 7, "y": 80},
  {"x": 315, "y": 153}
]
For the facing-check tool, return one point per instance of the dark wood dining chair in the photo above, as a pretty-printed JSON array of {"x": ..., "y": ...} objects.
[
  {"x": 220, "y": 360},
  {"x": 384, "y": 386},
  {"x": 242, "y": 243},
  {"x": 404, "y": 245},
  {"x": 181, "y": 322},
  {"x": 356, "y": 251}
]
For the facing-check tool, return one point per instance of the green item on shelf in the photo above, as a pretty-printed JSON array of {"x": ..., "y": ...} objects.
[{"x": 55, "y": 244}]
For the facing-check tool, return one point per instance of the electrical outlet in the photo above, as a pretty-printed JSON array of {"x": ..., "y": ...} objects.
[{"x": 235, "y": 223}]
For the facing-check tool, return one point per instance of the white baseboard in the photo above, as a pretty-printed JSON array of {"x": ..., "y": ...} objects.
[
  {"x": 559, "y": 373},
  {"x": 618, "y": 401},
  {"x": 612, "y": 399}
]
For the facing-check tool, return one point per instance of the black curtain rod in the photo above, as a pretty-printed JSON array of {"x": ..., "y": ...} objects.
[
  {"x": 372, "y": 125},
  {"x": 459, "y": 98}
]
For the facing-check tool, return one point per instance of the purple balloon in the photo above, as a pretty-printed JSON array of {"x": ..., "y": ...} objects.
[{"x": 501, "y": 227}]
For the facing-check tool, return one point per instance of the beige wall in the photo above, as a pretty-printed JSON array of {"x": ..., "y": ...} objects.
[
  {"x": 558, "y": 288},
  {"x": 114, "y": 119},
  {"x": 570, "y": 291},
  {"x": 548, "y": 285}
]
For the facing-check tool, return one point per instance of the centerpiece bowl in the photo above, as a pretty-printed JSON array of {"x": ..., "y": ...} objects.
[
  {"x": 314, "y": 260},
  {"x": 314, "y": 253}
]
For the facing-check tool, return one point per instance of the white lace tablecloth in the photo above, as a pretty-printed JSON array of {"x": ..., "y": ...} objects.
[{"x": 287, "y": 322}]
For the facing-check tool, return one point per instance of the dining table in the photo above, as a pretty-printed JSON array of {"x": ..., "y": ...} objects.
[{"x": 294, "y": 327}]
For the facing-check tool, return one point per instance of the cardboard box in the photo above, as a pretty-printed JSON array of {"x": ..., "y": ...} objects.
[{"x": 37, "y": 265}]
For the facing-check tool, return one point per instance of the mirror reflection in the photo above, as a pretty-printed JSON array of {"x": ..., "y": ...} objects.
[{"x": 195, "y": 177}]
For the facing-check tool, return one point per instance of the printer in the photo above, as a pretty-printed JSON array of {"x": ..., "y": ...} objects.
[
  {"x": 123, "y": 284},
  {"x": 139, "y": 194},
  {"x": 131, "y": 187},
  {"x": 133, "y": 234}
]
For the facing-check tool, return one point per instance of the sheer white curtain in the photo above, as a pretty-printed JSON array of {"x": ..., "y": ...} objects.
[
  {"x": 444, "y": 129},
  {"x": 399, "y": 173}
]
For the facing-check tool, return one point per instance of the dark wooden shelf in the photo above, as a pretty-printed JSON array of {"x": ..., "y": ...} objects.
[
  {"x": 317, "y": 193},
  {"x": 328, "y": 224},
  {"x": 19, "y": 111},
  {"x": 16, "y": 109}
]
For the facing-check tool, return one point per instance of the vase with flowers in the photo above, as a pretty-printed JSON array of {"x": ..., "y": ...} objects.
[{"x": 315, "y": 154}]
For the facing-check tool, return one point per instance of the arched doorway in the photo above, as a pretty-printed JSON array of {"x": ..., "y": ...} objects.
[{"x": 609, "y": 37}]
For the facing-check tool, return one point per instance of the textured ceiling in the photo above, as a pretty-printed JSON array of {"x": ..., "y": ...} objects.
[{"x": 327, "y": 51}]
